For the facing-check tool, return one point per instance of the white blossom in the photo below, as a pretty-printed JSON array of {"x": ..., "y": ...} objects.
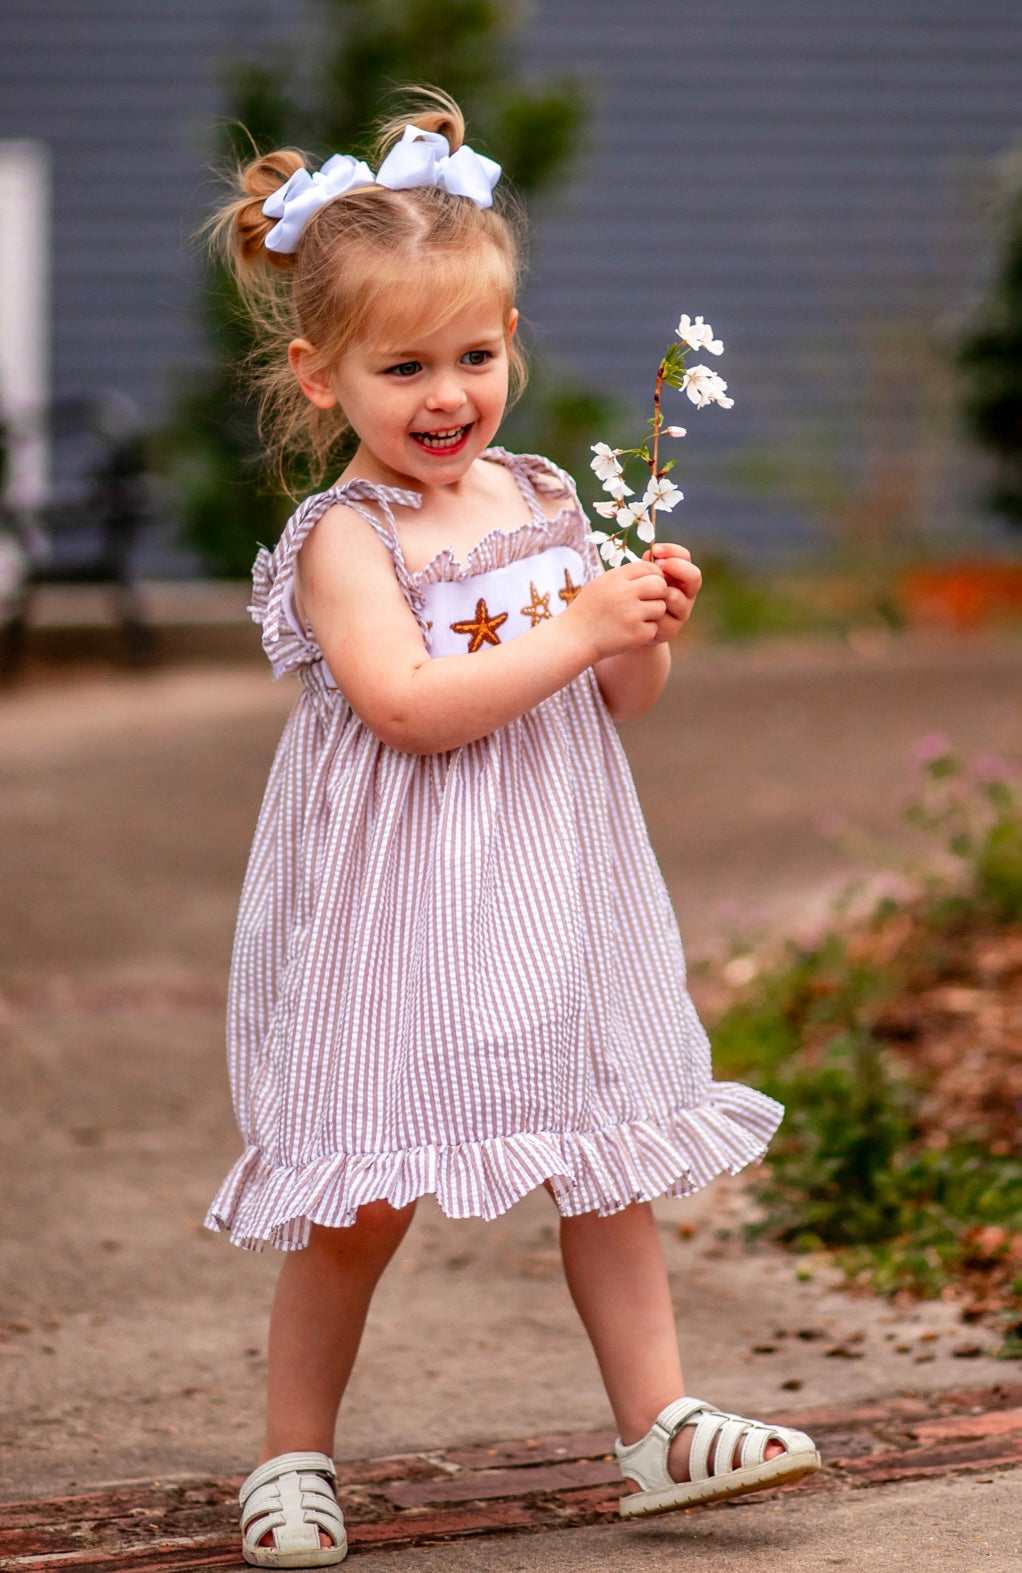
[
  {"x": 699, "y": 335},
  {"x": 633, "y": 516},
  {"x": 662, "y": 494},
  {"x": 606, "y": 463},
  {"x": 631, "y": 524},
  {"x": 704, "y": 386}
]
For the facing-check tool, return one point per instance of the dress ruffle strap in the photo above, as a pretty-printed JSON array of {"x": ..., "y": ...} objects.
[{"x": 287, "y": 646}]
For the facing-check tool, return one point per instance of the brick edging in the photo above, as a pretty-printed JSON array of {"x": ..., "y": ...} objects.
[{"x": 536, "y": 1483}]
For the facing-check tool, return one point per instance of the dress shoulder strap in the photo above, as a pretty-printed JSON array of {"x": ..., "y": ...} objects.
[
  {"x": 287, "y": 644},
  {"x": 543, "y": 482},
  {"x": 547, "y": 477}
]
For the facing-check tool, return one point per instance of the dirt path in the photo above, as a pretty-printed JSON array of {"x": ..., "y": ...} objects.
[{"x": 130, "y": 1340}]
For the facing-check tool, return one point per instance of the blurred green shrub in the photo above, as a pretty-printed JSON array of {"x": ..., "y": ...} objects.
[
  {"x": 990, "y": 355},
  {"x": 856, "y": 1169},
  {"x": 738, "y": 602}
]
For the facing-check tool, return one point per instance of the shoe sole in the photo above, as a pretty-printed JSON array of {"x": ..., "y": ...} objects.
[
  {"x": 325, "y": 1557},
  {"x": 689, "y": 1493}
]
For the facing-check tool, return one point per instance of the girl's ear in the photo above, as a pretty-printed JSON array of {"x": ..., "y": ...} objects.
[
  {"x": 310, "y": 375},
  {"x": 512, "y": 325}
]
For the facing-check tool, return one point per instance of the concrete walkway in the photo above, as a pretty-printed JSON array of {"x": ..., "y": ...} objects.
[{"x": 132, "y": 1343}]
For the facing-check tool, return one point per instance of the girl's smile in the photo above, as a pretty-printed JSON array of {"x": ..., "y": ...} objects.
[
  {"x": 443, "y": 442},
  {"x": 424, "y": 403}
]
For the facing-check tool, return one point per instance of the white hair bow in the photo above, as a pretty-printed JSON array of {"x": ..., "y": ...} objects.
[
  {"x": 424, "y": 158},
  {"x": 294, "y": 203},
  {"x": 421, "y": 158}
]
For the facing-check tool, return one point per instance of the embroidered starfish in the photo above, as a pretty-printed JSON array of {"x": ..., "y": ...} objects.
[
  {"x": 538, "y": 608},
  {"x": 483, "y": 630},
  {"x": 568, "y": 594}
]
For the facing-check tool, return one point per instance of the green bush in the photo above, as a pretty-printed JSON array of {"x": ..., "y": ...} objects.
[
  {"x": 990, "y": 358},
  {"x": 853, "y": 1170}
]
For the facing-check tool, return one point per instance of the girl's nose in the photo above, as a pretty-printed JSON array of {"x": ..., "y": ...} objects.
[{"x": 445, "y": 393}]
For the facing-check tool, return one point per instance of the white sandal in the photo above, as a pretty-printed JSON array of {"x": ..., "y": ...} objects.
[
  {"x": 293, "y": 1498},
  {"x": 645, "y": 1461}
]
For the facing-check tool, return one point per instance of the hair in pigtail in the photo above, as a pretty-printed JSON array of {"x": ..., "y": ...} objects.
[
  {"x": 236, "y": 236},
  {"x": 430, "y": 110},
  {"x": 238, "y": 231}
]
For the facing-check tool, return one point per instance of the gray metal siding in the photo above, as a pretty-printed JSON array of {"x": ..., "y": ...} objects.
[
  {"x": 124, "y": 93},
  {"x": 804, "y": 174},
  {"x": 807, "y": 174}
]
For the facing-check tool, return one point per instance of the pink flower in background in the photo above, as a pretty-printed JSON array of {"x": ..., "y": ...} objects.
[
  {"x": 933, "y": 745},
  {"x": 991, "y": 767}
]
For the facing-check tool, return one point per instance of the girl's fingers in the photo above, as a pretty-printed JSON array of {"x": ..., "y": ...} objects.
[
  {"x": 674, "y": 562},
  {"x": 645, "y": 568},
  {"x": 684, "y": 573}
]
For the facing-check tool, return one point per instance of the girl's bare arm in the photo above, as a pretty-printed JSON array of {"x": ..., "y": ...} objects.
[{"x": 419, "y": 705}]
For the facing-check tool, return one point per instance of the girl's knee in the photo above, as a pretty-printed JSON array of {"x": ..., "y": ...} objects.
[
  {"x": 637, "y": 1217},
  {"x": 378, "y": 1226},
  {"x": 380, "y": 1218}
]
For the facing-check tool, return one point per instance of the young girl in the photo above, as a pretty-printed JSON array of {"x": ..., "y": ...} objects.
[{"x": 432, "y": 986}]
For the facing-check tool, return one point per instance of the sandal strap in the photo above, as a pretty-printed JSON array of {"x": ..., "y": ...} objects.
[
  {"x": 646, "y": 1460},
  {"x": 716, "y": 1434},
  {"x": 293, "y": 1497}
]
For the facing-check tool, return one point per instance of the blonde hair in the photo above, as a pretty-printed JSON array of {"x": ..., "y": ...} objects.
[{"x": 365, "y": 260}]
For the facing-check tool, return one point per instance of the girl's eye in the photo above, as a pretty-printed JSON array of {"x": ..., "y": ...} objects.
[
  {"x": 407, "y": 368},
  {"x": 476, "y": 357}
]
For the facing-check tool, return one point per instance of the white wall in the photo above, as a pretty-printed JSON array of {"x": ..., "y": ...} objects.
[{"x": 25, "y": 204}]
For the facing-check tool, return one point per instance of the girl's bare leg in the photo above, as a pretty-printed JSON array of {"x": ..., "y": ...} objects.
[
  {"x": 616, "y": 1275},
  {"x": 618, "y": 1281},
  {"x": 319, "y": 1312}
]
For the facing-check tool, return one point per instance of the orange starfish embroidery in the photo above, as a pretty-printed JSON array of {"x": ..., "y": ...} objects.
[
  {"x": 568, "y": 594},
  {"x": 483, "y": 630},
  {"x": 538, "y": 608}
]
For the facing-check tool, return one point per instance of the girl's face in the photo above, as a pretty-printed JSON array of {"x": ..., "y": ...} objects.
[{"x": 424, "y": 403}]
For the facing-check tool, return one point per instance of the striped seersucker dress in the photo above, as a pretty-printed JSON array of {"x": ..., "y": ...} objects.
[{"x": 437, "y": 983}]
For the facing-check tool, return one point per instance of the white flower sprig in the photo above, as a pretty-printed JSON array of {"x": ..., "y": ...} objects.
[{"x": 638, "y": 518}]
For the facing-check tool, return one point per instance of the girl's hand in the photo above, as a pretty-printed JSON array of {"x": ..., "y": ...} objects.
[
  {"x": 623, "y": 609},
  {"x": 375, "y": 650},
  {"x": 683, "y": 583}
]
